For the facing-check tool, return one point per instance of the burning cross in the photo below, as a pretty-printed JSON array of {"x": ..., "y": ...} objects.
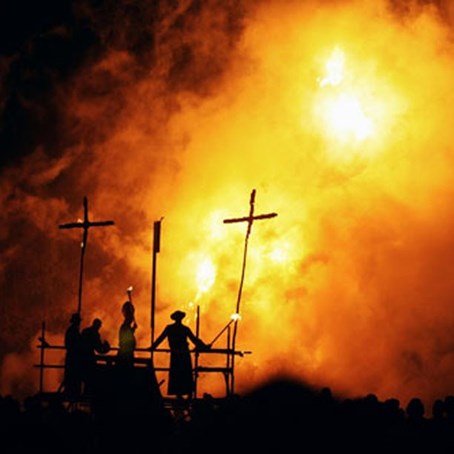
[
  {"x": 85, "y": 225},
  {"x": 250, "y": 220}
]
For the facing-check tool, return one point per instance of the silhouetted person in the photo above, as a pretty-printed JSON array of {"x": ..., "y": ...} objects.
[
  {"x": 417, "y": 426},
  {"x": 91, "y": 343},
  {"x": 415, "y": 411},
  {"x": 449, "y": 408},
  {"x": 438, "y": 410},
  {"x": 126, "y": 337},
  {"x": 181, "y": 382},
  {"x": 72, "y": 379}
]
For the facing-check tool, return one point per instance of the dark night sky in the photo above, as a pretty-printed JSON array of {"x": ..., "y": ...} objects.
[{"x": 43, "y": 45}]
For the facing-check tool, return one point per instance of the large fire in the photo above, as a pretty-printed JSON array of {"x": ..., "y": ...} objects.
[
  {"x": 342, "y": 112},
  {"x": 338, "y": 114}
]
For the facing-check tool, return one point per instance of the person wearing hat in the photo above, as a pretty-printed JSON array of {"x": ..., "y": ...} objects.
[
  {"x": 181, "y": 382},
  {"x": 72, "y": 376}
]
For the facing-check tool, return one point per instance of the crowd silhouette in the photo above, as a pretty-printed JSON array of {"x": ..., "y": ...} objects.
[{"x": 278, "y": 417}]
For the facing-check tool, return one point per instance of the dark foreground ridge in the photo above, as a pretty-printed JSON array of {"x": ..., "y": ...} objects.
[{"x": 282, "y": 416}]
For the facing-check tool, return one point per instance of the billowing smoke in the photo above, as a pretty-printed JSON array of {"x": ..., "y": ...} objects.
[{"x": 337, "y": 113}]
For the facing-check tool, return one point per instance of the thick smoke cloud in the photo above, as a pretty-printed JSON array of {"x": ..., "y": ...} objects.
[
  {"x": 82, "y": 87},
  {"x": 177, "y": 110}
]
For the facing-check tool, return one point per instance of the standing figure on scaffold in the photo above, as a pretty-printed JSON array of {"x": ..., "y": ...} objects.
[
  {"x": 181, "y": 380},
  {"x": 126, "y": 337},
  {"x": 72, "y": 379}
]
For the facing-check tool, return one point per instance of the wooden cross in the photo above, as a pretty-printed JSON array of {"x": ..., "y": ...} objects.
[
  {"x": 250, "y": 220},
  {"x": 85, "y": 225}
]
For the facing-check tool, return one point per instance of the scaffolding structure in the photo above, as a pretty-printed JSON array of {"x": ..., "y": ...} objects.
[
  {"x": 108, "y": 361},
  {"x": 229, "y": 352}
]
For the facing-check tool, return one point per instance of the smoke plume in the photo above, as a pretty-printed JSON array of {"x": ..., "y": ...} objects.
[{"x": 337, "y": 113}]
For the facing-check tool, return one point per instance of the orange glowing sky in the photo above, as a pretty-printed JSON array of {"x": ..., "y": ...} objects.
[{"x": 338, "y": 114}]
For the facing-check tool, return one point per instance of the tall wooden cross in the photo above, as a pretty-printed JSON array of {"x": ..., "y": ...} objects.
[
  {"x": 85, "y": 224},
  {"x": 250, "y": 218}
]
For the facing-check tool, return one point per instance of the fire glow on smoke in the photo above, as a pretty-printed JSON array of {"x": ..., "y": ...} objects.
[{"x": 344, "y": 132}]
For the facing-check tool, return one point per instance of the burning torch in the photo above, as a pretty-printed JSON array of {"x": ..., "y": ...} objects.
[{"x": 129, "y": 293}]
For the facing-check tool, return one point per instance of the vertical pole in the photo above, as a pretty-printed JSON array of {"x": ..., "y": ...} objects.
[
  {"x": 196, "y": 355},
  {"x": 41, "y": 366},
  {"x": 230, "y": 356},
  {"x": 81, "y": 274},
  {"x": 235, "y": 324},
  {"x": 156, "y": 248}
]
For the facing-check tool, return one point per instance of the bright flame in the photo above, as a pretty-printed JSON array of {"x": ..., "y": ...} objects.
[
  {"x": 334, "y": 69},
  {"x": 279, "y": 254},
  {"x": 346, "y": 117},
  {"x": 206, "y": 276},
  {"x": 235, "y": 317},
  {"x": 342, "y": 109},
  {"x": 215, "y": 227}
]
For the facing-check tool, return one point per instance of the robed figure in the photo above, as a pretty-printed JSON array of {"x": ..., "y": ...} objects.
[
  {"x": 72, "y": 380},
  {"x": 181, "y": 380}
]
